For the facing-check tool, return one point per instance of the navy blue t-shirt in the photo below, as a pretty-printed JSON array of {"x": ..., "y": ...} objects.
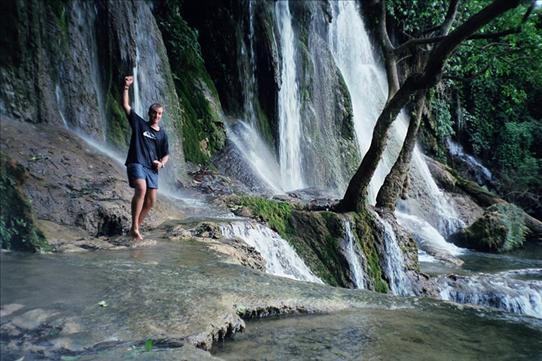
[{"x": 146, "y": 144}]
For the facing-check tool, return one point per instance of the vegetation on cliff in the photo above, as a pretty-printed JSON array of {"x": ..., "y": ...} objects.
[{"x": 203, "y": 130}]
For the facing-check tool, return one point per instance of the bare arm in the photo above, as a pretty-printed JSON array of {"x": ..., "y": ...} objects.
[{"x": 128, "y": 80}]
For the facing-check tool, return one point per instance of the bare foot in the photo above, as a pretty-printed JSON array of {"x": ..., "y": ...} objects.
[{"x": 136, "y": 235}]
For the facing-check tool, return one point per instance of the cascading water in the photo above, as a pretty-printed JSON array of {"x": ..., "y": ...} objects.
[
  {"x": 502, "y": 290},
  {"x": 394, "y": 264},
  {"x": 138, "y": 108},
  {"x": 480, "y": 173},
  {"x": 428, "y": 238},
  {"x": 280, "y": 257},
  {"x": 261, "y": 159},
  {"x": 353, "y": 256},
  {"x": 289, "y": 104}
]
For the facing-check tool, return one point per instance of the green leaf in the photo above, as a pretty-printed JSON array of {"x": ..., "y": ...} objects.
[{"x": 148, "y": 345}]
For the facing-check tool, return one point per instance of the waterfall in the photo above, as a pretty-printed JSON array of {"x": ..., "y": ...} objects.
[
  {"x": 353, "y": 256},
  {"x": 502, "y": 290},
  {"x": 257, "y": 153},
  {"x": 280, "y": 257},
  {"x": 249, "y": 81},
  {"x": 366, "y": 82},
  {"x": 394, "y": 264},
  {"x": 288, "y": 104},
  {"x": 60, "y": 103},
  {"x": 85, "y": 17}
]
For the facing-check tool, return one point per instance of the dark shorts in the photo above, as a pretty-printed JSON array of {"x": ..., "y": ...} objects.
[{"x": 137, "y": 171}]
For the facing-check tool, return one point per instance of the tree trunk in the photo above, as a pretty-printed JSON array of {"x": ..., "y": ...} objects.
[
  {"x": 395, "y": 180},
  {"x": 356, "y": 193}
]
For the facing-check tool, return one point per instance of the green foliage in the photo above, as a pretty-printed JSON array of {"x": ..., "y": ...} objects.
[
  {"x": 496, "y": 82},
  {"x": 415, "y": 15},
  {"x": 17, "y": 230},
  {"x": 148, "y": 345},
  {"x": 203, "y": 132}
]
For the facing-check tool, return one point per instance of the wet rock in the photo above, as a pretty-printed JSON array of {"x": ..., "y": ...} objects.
[
  {"x": 77, "y": 194},
  {"x": 31, "y": 320},
  {"x": 8, "y": 309}
]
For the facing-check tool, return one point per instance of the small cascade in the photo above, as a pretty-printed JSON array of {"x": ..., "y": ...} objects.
[
  {"x": 280, "y": 257},
  {"x": 354, "y": 257},
  {"x": 394, "y": 264},
  {"x": 60, "y": 103},
  {"x": 480, "y": 173},
  {"x": 505, "y": 291},
  {"x": 288, "y": 104},
  {"x": 447, "y": 221},
  {"x": 428, "y": 237}
]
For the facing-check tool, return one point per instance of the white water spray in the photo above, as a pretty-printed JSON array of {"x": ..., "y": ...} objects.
[
  {"x": 280, "y": 257},
  {"x": 262, "y": 161}
]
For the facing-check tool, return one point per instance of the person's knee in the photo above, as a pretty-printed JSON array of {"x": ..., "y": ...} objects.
[
  {"x": 149, "y": 202},
  {"x": 140, "y": 188}
]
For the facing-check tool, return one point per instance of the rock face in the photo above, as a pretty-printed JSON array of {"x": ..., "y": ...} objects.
[
  {"x": 501, "y": 228},
  {"x": 69, "y": 183}
]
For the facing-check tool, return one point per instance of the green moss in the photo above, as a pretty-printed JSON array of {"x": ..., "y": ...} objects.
[
  {"x": 275, "y": 213},
  {"x": 58, "y": 8},
  {"x": 317, "y": 237},
  {"x": 17, "y": 225},
  {"x": 501, "y": 228},
  {"x": 118, "y": 131},
  {"x": 202, "y": 127},
  {"x": 366, "y": 239}
]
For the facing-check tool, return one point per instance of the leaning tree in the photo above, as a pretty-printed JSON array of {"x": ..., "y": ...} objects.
[{"x": 439, "y": 43}]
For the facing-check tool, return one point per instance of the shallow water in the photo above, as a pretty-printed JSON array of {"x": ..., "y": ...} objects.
[
  {"x": 382, "y": 334},
  {"x": 182, "y": 291}
]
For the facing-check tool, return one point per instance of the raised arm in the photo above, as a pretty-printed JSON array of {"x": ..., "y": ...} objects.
[{"x": 128, "y": 80}]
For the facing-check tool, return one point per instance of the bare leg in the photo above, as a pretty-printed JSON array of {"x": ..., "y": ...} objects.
[
  {"x": 137, "y": 206},
  {"x": 150, "y": 199}
]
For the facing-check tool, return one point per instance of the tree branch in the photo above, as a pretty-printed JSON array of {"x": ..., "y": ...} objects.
[
  {"x": 448, "y": 20},
  {"x": 499, "y": 34}
]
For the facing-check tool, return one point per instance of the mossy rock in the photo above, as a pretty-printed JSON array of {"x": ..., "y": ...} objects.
[
  {"x": 501, "y": 228},
  {"x": 17, "y": 225},
  {"x": 317, "y": 237}
]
